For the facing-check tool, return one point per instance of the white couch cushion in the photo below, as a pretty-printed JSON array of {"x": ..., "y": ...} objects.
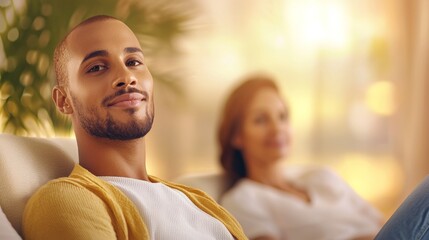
[{"x": 26, "y": 163}]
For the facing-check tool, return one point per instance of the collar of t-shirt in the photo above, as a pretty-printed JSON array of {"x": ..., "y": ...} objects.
[{"x": 167, "y": 212}]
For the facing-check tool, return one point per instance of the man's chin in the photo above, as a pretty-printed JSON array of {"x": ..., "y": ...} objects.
[
  {"x": 124, "y": 137},
  {"x": 128, "y": 132}
]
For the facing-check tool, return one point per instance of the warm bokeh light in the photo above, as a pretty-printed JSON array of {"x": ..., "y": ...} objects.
[
  {"x": 380, "y": 98},
  {"x": 375, "y": 178},
  {"x": 362, "y": 171},
  {"x": 318, "y": 24}
]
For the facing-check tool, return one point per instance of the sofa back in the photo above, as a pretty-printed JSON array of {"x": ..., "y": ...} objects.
[
  {"x": 214, "y": 184},
  {"x": 26, "y": 163}
]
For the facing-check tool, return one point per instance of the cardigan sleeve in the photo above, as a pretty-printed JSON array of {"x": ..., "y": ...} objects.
[{"x": 62, "y": 210}]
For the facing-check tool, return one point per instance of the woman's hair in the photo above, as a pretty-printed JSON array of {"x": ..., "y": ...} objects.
[{"x": 231, "y": 120}]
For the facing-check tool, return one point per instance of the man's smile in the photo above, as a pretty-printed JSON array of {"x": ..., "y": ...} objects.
[{"x": 127, "y": 100}]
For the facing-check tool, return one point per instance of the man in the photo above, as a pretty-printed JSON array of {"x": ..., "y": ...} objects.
[{"x": 106, "y": 89}]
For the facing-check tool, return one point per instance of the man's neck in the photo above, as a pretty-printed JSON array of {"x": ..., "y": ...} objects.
[{"x": 104, "y": 157}]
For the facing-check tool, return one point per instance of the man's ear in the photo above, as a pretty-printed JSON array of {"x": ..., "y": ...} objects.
[{"x": 62, "y": 101}]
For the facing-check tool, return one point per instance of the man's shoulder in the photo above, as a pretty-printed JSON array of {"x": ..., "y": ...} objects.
[
  {"x": 63, "y": 187},
  {"x": 78, "y": 184},
  {"x": 65, "y": 202},
  {"x": 76, "y": 179},
  {"x": 63, "y": 194}
]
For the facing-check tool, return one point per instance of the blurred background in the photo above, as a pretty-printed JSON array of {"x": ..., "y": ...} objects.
[{"x": 355, "y": 74}]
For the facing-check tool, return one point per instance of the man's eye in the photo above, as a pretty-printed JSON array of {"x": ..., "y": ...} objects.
[
  {"x": 132, "y": 63},
  {"x": 97, "y": 68}
]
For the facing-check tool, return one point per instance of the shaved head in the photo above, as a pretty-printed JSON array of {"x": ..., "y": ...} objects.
[{"x": 62, "y": 55}]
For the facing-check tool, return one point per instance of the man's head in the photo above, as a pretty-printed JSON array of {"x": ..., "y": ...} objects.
[{"x": 102, "y": 80}]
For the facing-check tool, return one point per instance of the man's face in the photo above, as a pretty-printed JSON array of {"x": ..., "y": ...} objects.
[{"x": 109, "y": 84}]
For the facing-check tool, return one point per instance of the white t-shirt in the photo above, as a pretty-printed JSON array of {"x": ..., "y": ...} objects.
[
  {"x": 335, "y": 212},
  {"x": 168, "y": 213}
]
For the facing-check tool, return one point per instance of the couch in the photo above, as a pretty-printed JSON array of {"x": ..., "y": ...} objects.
[{"x": 26, "y": 163}]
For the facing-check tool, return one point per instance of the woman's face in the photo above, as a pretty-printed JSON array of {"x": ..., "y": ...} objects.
[{"x": 265, "y": 134}]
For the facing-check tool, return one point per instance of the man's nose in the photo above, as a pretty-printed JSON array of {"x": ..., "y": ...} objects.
[{"x": 124, "y": 78}]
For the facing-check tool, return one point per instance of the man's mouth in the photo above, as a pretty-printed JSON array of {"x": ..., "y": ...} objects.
[{"x": 127, "y": 100}]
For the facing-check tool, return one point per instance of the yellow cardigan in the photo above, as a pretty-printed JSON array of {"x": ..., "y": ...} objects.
[{"x": 83, "y": 206}]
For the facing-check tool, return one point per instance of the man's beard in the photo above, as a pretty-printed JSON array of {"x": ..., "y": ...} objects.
[{"x": 95, "y": 125}]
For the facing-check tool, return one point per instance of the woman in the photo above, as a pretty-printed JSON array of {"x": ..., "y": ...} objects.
[{"x": 269, "y": 201}]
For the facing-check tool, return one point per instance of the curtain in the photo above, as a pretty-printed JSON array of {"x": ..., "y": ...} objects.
[{"x": 412, "y": 139}]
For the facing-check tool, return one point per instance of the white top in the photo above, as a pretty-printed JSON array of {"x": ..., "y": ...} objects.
[
  {"x": 6, "y": 229},
  {"x": 168, "y": 213},
  {"x": 335, "y": 212}
]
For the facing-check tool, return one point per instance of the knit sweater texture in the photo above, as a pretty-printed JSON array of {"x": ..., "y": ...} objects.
[{"x": 82, "y": 206}]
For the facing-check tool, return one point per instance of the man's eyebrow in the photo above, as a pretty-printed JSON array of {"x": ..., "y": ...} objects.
[
  {"x": 132, "y": 50},
  {"x": 95, "y": 54},
  {"x": 105, "y": 53}
]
